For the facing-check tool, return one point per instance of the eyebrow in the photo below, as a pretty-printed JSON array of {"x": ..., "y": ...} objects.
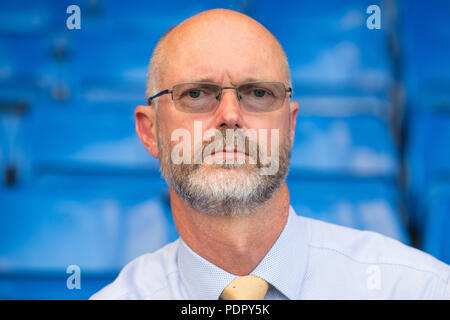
[
  {"x": 248, "y": 79},
  {"x": 207, "y": 79}
]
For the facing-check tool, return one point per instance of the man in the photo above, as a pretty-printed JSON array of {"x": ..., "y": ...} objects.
[{"x": 217, "y": 74}]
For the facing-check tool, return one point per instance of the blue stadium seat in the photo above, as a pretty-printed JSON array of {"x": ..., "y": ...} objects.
[
  {"x": 97, "y": 223},
  {"x": 21, "y": 59},
  {"x": 340, "y": 104},
  {"x": 358, "y": 146},
  {"x": 428, "y": 156},
  {"x": 426, "y": 48},
  {"x": 26, "y": 17},
  {"x": 28, "y": 67},
  {"x": 13, "y": 143},
  {"x": 338, "y": 65},
  {"x": 356, "y": 204},
  {"x": 436, "y": 238},
  {"x": 103, "y": 69},
  {"x": 104, "y": 56},
  {"x": 66, "y": 139}
]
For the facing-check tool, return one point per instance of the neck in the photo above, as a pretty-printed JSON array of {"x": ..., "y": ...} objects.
[{"x": 235, "y": 244}]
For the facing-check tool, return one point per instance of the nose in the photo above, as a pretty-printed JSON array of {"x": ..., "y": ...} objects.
[{"x": 229, "y": 110}]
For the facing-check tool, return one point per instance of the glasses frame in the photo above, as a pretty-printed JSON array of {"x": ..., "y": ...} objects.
[{"x": 219, "y": 97}]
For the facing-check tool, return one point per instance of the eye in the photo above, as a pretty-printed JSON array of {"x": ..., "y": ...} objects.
[
  {"x": 194, "y": 93},
  {"x": 259, "y": 93}
]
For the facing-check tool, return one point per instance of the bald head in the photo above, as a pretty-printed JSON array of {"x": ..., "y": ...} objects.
[{"x": 217, "y": 45}]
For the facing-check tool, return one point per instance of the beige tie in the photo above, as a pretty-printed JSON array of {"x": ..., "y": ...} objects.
[{"x": 245, "y": 288}]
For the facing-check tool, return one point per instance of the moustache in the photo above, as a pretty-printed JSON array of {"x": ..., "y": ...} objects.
[{"x": 229, "y": 140}]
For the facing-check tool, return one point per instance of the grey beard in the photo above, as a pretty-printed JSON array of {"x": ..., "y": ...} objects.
[{"x": 223, "y": 189}]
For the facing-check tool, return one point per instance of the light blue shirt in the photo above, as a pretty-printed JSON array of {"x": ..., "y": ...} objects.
[{"x": 310, "y": 260}]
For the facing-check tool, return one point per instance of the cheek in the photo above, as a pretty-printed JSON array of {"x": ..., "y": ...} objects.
[
  {"x": 171, "y": 122},
  {"x": 273, "y": 121},
  {"x": 272, "y": 131},
  {"x": 183, "y": 131}
]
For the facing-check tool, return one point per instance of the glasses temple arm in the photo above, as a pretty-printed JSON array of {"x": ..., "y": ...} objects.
[{"x": 149, "y": 100}]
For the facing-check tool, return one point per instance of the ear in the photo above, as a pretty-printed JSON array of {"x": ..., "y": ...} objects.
[
  {"x": 145, "y": 117},
  {"x": 293, "y": 118}
]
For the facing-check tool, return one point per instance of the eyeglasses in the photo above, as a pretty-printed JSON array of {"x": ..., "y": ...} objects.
[{"x": 204, "y": 97}]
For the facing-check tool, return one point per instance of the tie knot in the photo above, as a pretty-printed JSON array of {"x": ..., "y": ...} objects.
[{"x": 246, "y": 288}]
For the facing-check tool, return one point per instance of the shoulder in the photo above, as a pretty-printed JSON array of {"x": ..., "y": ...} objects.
[
  {"x": 146, "y": 277},
  {"x": 403, "y": 270}
]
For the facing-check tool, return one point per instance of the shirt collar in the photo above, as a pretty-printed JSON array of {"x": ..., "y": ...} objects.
[{"x": 283, "y": 266}]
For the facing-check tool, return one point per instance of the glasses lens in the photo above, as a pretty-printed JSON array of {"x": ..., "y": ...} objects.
[
  {"x": 196, "y": 97},
  {"x": 262, "y": 96}
]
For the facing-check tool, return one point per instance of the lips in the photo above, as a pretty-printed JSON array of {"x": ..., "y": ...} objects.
[{"x": 230, "y": 150}]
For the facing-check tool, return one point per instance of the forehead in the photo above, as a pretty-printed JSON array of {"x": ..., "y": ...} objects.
[{"x": 222, "y": 48}]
